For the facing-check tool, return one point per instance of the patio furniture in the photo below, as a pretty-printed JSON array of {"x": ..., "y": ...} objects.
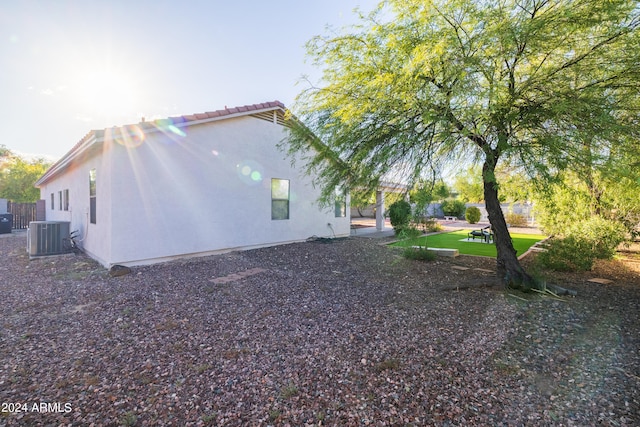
[{"x": 484, "y": 233}]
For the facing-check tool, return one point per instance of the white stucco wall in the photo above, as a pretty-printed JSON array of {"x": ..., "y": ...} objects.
[
  {"x": 93, "y": 238},
  {"x": 204, "y": 192}
]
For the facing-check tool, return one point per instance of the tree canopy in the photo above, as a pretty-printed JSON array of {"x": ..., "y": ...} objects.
[
  {"x": 469, "y": 185},
  {"x": 18, "y": 176},
  {"x": 540, "y": 84}
]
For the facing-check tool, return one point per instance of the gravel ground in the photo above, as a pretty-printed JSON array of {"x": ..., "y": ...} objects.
[{"x": 340, "y": 333}]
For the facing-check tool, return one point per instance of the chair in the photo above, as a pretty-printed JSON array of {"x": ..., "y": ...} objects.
[{"x": 484, "y": 233}]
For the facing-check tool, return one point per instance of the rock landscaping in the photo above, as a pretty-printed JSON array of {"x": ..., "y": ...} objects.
[{"x": 337, "y": 333}]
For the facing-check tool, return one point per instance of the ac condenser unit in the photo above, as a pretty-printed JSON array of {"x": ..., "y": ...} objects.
[{"x": 47, "y": 237}]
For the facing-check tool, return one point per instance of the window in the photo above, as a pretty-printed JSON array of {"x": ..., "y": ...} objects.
[
  {"x": 279, "y": 198},
  {"x": 65, "y": 199},
  {"x": 340, "y": 203},
  {"x": 92, "y": 196},
  {"x": 59, "y": 200},
  {"x": 53, "y": 201}
]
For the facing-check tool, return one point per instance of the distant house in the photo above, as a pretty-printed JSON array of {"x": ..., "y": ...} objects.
[{"x": 187, "y": 186}]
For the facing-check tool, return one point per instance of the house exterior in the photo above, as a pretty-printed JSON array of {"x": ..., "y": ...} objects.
[{"x": 187, "y": 186}]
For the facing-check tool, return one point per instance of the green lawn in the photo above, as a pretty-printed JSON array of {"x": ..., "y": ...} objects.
[{"x": 521, "y": 242}]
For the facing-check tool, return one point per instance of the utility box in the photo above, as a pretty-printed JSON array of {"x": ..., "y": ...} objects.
[
  {"x": 6, "y": 223},
  {"x": 47, "y": 237}
]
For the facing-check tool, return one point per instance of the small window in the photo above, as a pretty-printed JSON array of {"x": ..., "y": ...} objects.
[
  {"x": 65, "y": 199},
  {"x": 340, "y": 203},
  {"x": 60, "y": 200},
  {"x": 53, "y": 201},
  {"x": 279, "y": 198},
  {"x": 92, "y": 196}
]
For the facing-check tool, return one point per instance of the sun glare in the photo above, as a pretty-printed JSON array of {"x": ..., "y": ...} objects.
[{"x": 107, "y": 92}]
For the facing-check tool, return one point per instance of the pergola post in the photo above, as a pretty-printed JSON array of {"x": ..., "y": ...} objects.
[{"x": 380, "y": 210}]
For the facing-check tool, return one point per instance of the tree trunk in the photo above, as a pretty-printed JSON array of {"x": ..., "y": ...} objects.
[{"x": 508, "y": 266}]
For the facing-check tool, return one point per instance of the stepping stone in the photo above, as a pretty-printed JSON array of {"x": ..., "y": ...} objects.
[
  {"x": 237, "y": 276},
  {"x": 459, "y": 267},
  {"x": 600, "y": 281}
]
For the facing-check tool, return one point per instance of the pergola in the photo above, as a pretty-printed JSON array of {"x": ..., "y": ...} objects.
[{"x": 386, "y": 187}]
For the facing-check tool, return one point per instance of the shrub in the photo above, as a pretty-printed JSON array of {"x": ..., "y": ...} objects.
[
  {"x": 566, "y": 254},
  {"x": 419, "y": 254},
  {"x": 428, "y": 225},
  {"x": 603, "y": 236},
  {"x": 453, "y": 208},
  {"x": 400, "y": 215},
  {"x": 472, "y": 215},
  {"x": 408, "y": 232},
  {"x": 582, "y": 244},
  {"x": 515, "y": 220}
]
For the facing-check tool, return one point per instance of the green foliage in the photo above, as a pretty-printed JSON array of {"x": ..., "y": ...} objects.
[
  {"x": 472, "y": 215},
  {"x": 469, "y": 185},
  {"x": 129, "y": 420},
  {"x": 582, "y": 244},
  {"x": 453, "y": 208},
  {"x": 289, "y": 391},
  {"x": 419, "y": 254},
  {"x": 408, "y": 231},
  {"x": 421, "y": 195},
  {"x": 569, "y": 199},
  {"x": 515, "y": 186},
  {"x": 546, "y": 86},
  {"x": 400, "y": 215},
  {"x": 427, "y": 225},
  {"x": 515, "y": 220},
  {"x": 4, "y": 152},
  {"x": 17, "y": 179},
  {"x": 560, "y": 204},
  {"x": 566, "y": 254},
  {"x": 441, "y": 191},
  {"x": 602, "y": 235}
]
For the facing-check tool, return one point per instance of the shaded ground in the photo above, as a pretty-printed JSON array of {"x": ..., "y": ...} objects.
[{"x": 343, "y": 333}]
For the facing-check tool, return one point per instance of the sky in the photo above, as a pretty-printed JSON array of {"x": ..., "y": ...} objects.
[{"x": 71, "y": 66}]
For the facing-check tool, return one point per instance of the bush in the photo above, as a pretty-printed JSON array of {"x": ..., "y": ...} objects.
[
  {"x": 582, "y": 244},
  {"x": 400, "y": 215},
  {"x": 419, "y": 254},
  {"x": 453, "y": 208},
  {"x": 472, "y": 215},
  {"x": 427, "y": 225},
  {"x": 603, "y": 236},
  {"x": 408, "y": 232},
  {"x": 566, "y": 254},
  {"x": 515, "y": 220}
]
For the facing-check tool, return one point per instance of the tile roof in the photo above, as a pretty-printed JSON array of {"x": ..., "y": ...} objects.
[
  {"x": 227, "y": 111},
  {"x": 98, "y": 135}
]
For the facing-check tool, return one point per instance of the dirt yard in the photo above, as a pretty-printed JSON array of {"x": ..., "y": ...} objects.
[{"x": 340, "y": 333}]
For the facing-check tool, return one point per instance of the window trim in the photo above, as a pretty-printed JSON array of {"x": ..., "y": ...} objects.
[
  {"x": 340, "y": 203},
  {"x": 278, "y": 201},
  {"x": 92, "y": 196}
]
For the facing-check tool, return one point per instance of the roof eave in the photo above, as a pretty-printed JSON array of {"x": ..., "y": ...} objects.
[{"x": 89, "y": 140}]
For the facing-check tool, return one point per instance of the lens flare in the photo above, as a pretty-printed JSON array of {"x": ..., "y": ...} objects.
[
  {"x": 130, "y": 136},
  {"x": 250, "y": 172},
  {"x": 169, "y": 127}
]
